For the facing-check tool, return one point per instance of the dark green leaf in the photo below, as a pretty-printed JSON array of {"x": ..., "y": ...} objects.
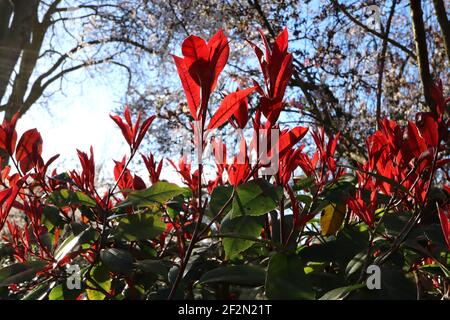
[
  {"x": 303, "y": 183},
  {"x": 340, "y": 293},
  {"x": 51, "y": 218},
  {"x": 255, "y": 198},
  {"x": 156, "y": 267},
  {"x": 248, "y": 226},
  {"x": 117, "y": 260},
  {"x": 38, "y": 293},
  {"x": 20, "y": 272},
  {"x": 140, "y": 226},
  {"x": 356, "y": 263},
  {"x": 286, "y": 278},
  {"x": 65, "y": 198},
  {"x": 241, "y": 275},
  {"x": 159, "y": 192},
  {"x": 219, "y": 198},
  {"x": 63, "y": 177}
]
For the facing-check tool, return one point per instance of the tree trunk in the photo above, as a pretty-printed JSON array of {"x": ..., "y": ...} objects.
[
  {"x": 14, "y": 36},
  {"x": 421, "y": 50},
  {"x": 444, "y": 23}
]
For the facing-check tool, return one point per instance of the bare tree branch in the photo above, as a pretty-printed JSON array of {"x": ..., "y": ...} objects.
[
  {"x": 374, "y": 32},
  {"x": 421, "y": 49},
  {"x": 444, "y": 23},
  {"x": 382, "y": 60}
]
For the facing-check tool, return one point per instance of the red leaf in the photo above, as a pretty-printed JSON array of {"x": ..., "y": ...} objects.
[
  {"x": 145, "y": 125},
  {"x": 260, "y": 55},
  {"x": 44, "y": 168},
  {"x": 332, "y": 143},
  {"x": 218, "y": 54},
  {"x": 203, "y": 62},
  {"x": 228, "y": 107},
  {"x": 289, "y": 138},
  {"x": 279, "y": 53},
  {"x": 241, "y": 114},
  {"x": 429, "y": 128},
  {"x": 7, "y": 196},
  {"x": 128, "y": 116},
  {"x": 271, "y": 108},
  {"x": 126, "y": 130},
  {"x": 284, "y": 76},
  {"x": 416, "y": 142},
  {"x": 138, "y": 183},
  {"x": 190, "y": 87},
  {"x": 266, "y": 45},
  {"x": 194, "y": 48},
  {"x": 8, "y": 135},
  {"x": 29, "y": 150},
  {"x": 437, "y": 93},
  {"x": 281, "y": 44},
  {"x": 196, "y": 58}
]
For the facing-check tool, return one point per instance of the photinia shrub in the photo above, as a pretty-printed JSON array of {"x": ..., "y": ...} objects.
[{"x": 256, "y": 230}]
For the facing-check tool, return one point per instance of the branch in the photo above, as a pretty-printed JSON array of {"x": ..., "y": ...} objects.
[
  {"x": 38, "y": 88},
  {"x": 444, "y": 23},
  {"x": 374, "y": 32},
  {"x": 421, "y": 49},
  {"x": 382, "y": 61},
  {"x": 255, "y": 4}
]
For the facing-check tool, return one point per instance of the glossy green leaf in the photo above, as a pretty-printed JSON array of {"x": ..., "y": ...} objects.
[
  {"x": 286, "y": 278},
  {"x": 248, "y": 226},
  {"x": 340, "y": 293},
  {"x": 159, "y": 192},
  {"x": 68, "y": 245},
  {"x": 20, "y": 272},
  {"x": 241, "y": 275},
  {"x": 38, "y": 293},
  {"x": 156, "y": 267},
  {"x": 100, "y": 275},
  {"x": 255, "y": 198},
  {"x": 117, "y": 260},
  {"x": 356, "y": 263},
  {"x": 61, "y": 292},
  {"x": 65, "y": 198},
  {"x": 219, "y": 198},
  {"x": 140, "y": 226}
]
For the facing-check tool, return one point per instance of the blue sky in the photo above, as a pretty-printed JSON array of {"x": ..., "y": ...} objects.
[{"x": 79, "y": 119}]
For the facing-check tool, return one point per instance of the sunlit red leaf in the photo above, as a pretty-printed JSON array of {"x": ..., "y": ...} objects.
[
  {"x": 126, "y": 130},
  {"x": 228, "y": 107},
  {"x": 219, "y": 52},
  {"x": 29, "y": 150},
  {"x": 284, "y": 76},
  {"x": 416, "y": 142},
  {"x": 8, "y": 135},
  {"x": 289, "y": 138},
  {"x": 241, "y": 113},
  {"x": 190, "y": 87},
  {"x": 429, "y": 129}
]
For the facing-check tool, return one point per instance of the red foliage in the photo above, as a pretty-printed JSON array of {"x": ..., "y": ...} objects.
[{"x": 402, "y": 165}]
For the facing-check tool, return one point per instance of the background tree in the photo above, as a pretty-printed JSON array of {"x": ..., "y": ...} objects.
[
  {"x": 43, "y": 43},
  {"x": 355, "y": 61},
  {"x": 351, "y": 68}
]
